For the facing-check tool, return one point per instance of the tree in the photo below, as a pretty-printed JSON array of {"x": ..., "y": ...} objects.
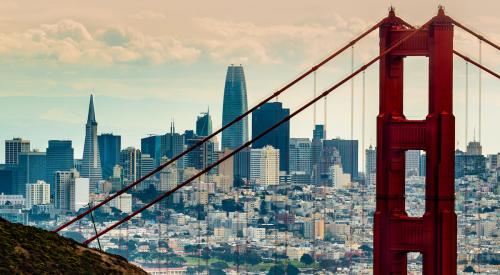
[
  {"x": 253, "y": 258},
  {"x": 212, "y": 271},
  {"x": 238, "y": 182},
  {"x": 306, "y": 259},
  {"x": 469, "y": 269},
  {"x": 276, "y": 270},
  {"x": 229, "y": 205},
  {"x": 219, "y": 265},
  {"x": 263, "y": 208},
  {"x": 292, "y": 270}
]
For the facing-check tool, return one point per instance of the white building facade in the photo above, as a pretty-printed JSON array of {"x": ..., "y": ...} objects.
[{"x": 265, "y": 166}]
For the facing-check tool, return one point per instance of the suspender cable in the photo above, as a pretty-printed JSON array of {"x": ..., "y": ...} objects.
[
  {"x": 363, "y": 191},
  {"x": 466, "y": 105},
  {"x": 215, "y": 133},
  {"x": 325, "y": 116},
  {"x": 314, "y": 106},
  {"x": 351, "y": 231},
  {"x": 480, "y": 92},
  {"x": 248, "y": 143}
]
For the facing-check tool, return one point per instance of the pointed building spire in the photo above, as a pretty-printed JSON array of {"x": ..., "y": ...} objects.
[{"x": 91, "y": 115}]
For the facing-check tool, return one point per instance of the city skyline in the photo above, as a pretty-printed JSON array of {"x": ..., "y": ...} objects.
[
  {"x": 54, "y": 106},
  {"x": 297, "y": 183}
]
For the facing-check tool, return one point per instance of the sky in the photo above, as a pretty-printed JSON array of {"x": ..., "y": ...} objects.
[{"x": 150, "y": 62}]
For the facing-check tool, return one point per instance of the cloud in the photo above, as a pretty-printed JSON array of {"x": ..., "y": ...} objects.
[
  {"x": 68, "y": 41},
  {"x": 246, "y": 41},
  {"x": 60, "y": 115}
]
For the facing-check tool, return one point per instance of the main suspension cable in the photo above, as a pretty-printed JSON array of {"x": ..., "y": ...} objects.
[
  {"x": 468, "y": 59},
  {"x": 248, "y": 143},
  {"x": 480, "y": 37}
]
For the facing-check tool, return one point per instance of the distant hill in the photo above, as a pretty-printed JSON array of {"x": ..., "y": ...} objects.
[{"x": 30, "y": 250}]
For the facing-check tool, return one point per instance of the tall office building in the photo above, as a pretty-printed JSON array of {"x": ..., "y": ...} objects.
[
  {"x": 235, "y": 104},
  {"x": 12, "y": 149},
  {"x": 300, "y": 155},
  {"x": 202, "y": 156},
  {"x": 172, "y": 144},
  {"x": 348, "y": 150},
  {"x": 423, "y": 165},
  {"x": 147, "y": 164},
  {"x": 32, "y": 167},
  {"x": 152, "y": 146},
  {"x": 130, "y": 163},
  {"x": 316, "y": 149},
  {"x": 204, "y": 124},
  {"x": 168, "y": 177},
  {"x": 469, "y": 165},
  {"x": 474, "y": 148},
  {"x": 72, "y": 191},
  {"x": 412, "y": 163},
  {"x": 91, "y": 162},
  {"x": 263, "y": 118},
  {"x": 371, "y": 166},
  {"x": 37, "y": 193},
  {"x": 109, "y": 152},
  {"x": 60, "y": 157},
  {"x": 264, "y": 166},
  {"x": 8, "y": 178}
]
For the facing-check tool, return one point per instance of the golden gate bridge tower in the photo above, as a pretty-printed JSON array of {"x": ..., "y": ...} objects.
[{"x": 434, "y": 234}]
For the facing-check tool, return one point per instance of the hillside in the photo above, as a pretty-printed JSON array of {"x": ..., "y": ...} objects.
[{"x": 29, "y": 250}]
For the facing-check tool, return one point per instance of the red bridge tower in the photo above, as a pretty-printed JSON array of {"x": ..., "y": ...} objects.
[{"x": 434, "y": 234}]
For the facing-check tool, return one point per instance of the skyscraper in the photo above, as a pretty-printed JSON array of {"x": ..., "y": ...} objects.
[
  {"x": 152, "y": 146},
  {"x": 204, "y": 124},
  {"x": 60, "y": 157},
  {"x": 316, "y": 148},
  {"x": 12, "y": 149},
  {"x": 91, "y": 163},
  {"x": 412, "y": 163},
  {"x": 348, "y": 150},
  {"x": 264, "y": 166},
  {"x": 8, "y": 178},
  {"x": 32, "y": 167},
  {"x": 235, "y": 104},
  {"x": 172, "y": 144},
  {"x": 109, "y": 152},
  {"x": 130, "y": 163},
  {"x": 168, "y": 177},
  {"x": 202, "y": 156},
  {"x": 300, "y": 155},
  {"x": 72, "y": 191},
  {"x": 370, "y": 166},
  {"x": 263, "y": 118}
]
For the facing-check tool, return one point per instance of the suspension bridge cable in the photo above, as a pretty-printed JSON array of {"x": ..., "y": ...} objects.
[
  {"x": 314, "y": 107},
  {"x": 480, "y": 91},
  {"x": 248, "y": 143},
  {"x": 466, "y": 104},
  {"x": 363, "y": 191},
  {"x": 224, "y": 127},
  {"x": 480, "y": 37},
  {"x": 351, "y": 231},
  {"x": 466, "y": 58}
]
